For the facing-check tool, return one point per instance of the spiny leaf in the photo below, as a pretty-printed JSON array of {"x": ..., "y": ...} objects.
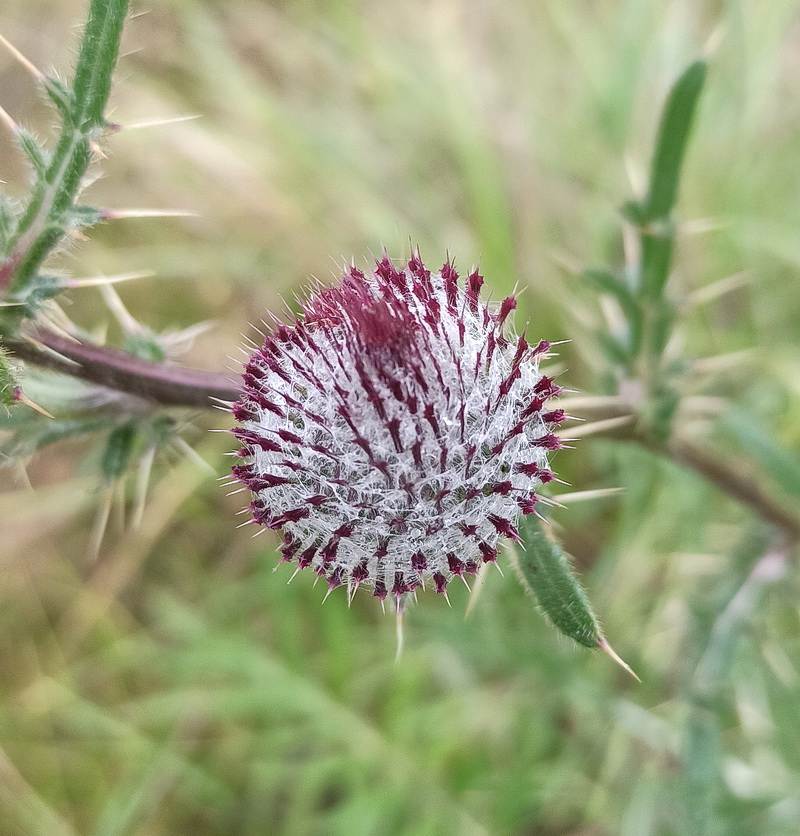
[
  {"x": 60, "y": 174},
  {"x": 546, "y": 571},
  {"x": 97, "y": 59}
]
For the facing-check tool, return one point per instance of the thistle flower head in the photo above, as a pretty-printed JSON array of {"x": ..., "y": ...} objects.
[{"x": 396, "y": 430}]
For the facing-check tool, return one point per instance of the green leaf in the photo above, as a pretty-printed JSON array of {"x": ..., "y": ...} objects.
[
  {"x": 545, "y": 569},
  {"x": 8, "y": 223},
  {"x": 42, "y": 288},
  {"x": 82, "y": 216},
  {"x": 673, "y": 134},
  {"x": 633, "y": 212},
  {"x": 35, "y": 153},
  {"x": 118, "y": 451},
  {"x": 59, "y": 94},
  {"x": 606, "y": 282},
  {"x": 25, "y": 435},
  {"x": 656, "y": 241},
  {"x": 659, "y": 412},
  {"x": 702, "y": 771},
  {"x": 781, "y": 463},
  {"x": 145, "y": 346},
  {"x": 613, "y": 349},
  {"x": 8, "y": 380}
]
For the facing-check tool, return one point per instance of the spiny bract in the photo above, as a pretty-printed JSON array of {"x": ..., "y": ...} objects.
[{"x": 396, "y": 430}]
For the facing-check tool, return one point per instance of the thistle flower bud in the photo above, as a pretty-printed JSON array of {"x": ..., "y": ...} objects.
[{"x": 396, "y": 430}]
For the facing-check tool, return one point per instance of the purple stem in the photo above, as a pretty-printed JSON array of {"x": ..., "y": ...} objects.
[{"x": 161, "y": 383}]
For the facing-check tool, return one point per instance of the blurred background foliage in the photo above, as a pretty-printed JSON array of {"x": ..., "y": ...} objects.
[{"x": 165, "y": 681}]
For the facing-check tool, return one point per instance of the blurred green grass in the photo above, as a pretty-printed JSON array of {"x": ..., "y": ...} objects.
[{"x": 177, "y": 685}]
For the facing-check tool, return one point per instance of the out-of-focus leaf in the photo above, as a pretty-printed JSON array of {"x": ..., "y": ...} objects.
[
  {"x": 702, "y": 772},
  {"x": 28, "y": 435},
  {"x": 673, "y": 133},
  {"x": 781, "y": 464},
  {"x": 145, "y": 346},
  {"x": 118, "y": 450},
  {"x": 660, "y": 412},
  {"x": 657, "y": 242},
  {"x": 606, "y": 282},
  {"x": 613, "y": 349},
  {"x": 661, "y": 322}
]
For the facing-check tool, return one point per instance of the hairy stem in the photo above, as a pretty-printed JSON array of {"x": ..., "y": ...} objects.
[
  {"x": 160, "y": 383},
  {"x": 46, "y": 219}
]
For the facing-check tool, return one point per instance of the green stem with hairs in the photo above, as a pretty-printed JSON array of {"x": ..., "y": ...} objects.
[{"x": 49, "y": 215}]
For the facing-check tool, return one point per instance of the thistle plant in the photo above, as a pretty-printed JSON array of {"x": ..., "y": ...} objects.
[{"x": 398, "y": 430}]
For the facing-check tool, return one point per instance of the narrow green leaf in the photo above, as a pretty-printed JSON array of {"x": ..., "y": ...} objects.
[
  {"x": 658, "y": 412},
  {"x": 8, "y": 223},
  {"x": 606, "y": 282},
  {"x": 673, "y": 133},
  {"x": 118, "y": 451},
  {"x": 59, "y": 94},
  {"x": 702, "y": 771},
  {"x": 546, "y": 571},
  {"x": 781, "y": 463},
  {"x": 662, "y": 318},
  {"x": 614, "y": 351},
  {"x": 657, "y": 241},
  {"x": 145, "y": 346},
  {"x": 633, "y": 211},
  {"x": 35, "y": 153},
  {"x": 42, "y": 288}
]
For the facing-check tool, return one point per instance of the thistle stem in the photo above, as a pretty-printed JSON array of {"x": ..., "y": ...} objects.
[
  {"x": 160, "y": 383},
  {"x": 46, "y": 219}
]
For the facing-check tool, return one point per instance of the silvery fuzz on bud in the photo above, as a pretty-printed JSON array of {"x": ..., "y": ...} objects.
[{"x": 396, "y": 430}]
